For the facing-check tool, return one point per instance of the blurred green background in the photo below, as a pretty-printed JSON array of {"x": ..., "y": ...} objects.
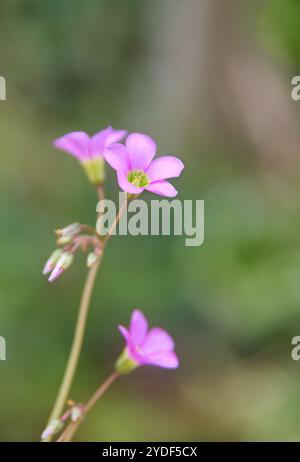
[{"x": 211, "y": 82}]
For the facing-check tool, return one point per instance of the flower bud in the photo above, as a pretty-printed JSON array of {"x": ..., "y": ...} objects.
[
  {"x": 64, "y": 240},
  {"x": 51, "y": 262},
  {"x": 54, "y": 427},
  {"x": 76, "y": 412},
  {"x": 70, "y": 230},
  {"x": 93, "y": 257},
  {"x": 124, "y": 364},
  {"x": 63, "y": 263}
]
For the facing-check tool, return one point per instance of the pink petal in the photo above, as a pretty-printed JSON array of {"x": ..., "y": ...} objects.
[
  {"x": 126, "y": 185},
  {"x": 162, "y": 188},
  {"x": 75, "y": 143},
  {"x": 125, "y": 333},
  {"x": 130, "y": 344},
  {"x": 138, "y": 327},
  {"x": 115, "y": 136},
  {"x": 98, "y": 142},
  {"x": 166, "y": 359},
  {"x": 103, "y": 139},
  {"x": 142, "y": 149},
  {"x": 117, "y": 157},
  {"x": 157, "y": 340},
  {"x": 165, "y": 167}
]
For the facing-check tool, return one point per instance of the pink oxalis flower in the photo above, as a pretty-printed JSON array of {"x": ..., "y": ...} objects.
[
  {"x": 89, "y": 150},
  {"x": 143, "y": 346},
  {"x": 85, "y": 147},
  {"x": 136, "y": 169}
]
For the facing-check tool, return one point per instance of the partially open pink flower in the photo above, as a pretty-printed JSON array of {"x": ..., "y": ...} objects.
[
  {"x": 89, "y": 149},
  {"x": 153, "y": 347},
  {"x": 136, "y": 169},
  {"x": 85, "y": 147}
]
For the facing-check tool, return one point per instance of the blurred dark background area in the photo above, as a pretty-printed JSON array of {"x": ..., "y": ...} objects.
[{"x": 210, "y": 81}]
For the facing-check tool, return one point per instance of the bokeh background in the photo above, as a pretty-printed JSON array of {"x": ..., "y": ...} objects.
[{"x": 210, "y": 80}]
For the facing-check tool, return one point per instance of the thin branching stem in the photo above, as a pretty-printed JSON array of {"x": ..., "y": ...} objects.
[
  {"x": 79, "y": 333},
  {"x": 71, "y": 429}
]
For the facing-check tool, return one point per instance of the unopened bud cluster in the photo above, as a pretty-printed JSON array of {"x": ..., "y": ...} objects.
[{"x": 70, "y": 239}]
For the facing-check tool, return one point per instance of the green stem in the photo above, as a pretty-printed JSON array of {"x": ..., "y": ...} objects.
[
  {"x": 81, "y": 323},
  {"x": 77, "y": 343},
  {"x": 78, "y": 335}
]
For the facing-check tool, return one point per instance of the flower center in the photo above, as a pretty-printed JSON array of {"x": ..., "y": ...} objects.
[{"x": 138, "y": 178}]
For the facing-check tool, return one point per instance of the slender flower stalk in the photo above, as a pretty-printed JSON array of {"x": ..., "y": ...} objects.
[
  {"x": 71, "y": 429},
  {"x": 77, "y": 343},
  {"x": 70, "y": 370}
]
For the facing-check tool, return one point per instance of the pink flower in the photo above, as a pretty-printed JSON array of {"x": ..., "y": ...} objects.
[
  {"x": 153, "y": 347},
  {"x": 84, "y": 147},
  {"x": 136, "y": 169},
  {"x": 89, "y": 150}
]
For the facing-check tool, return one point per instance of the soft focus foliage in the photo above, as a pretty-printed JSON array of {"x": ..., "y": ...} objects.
[{"x": 232, "y": 305}]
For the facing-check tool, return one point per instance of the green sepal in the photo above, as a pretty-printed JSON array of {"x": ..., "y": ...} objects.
[
  {"x": 124, "y": 364},
  {"x": 95, "y": 170}
]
